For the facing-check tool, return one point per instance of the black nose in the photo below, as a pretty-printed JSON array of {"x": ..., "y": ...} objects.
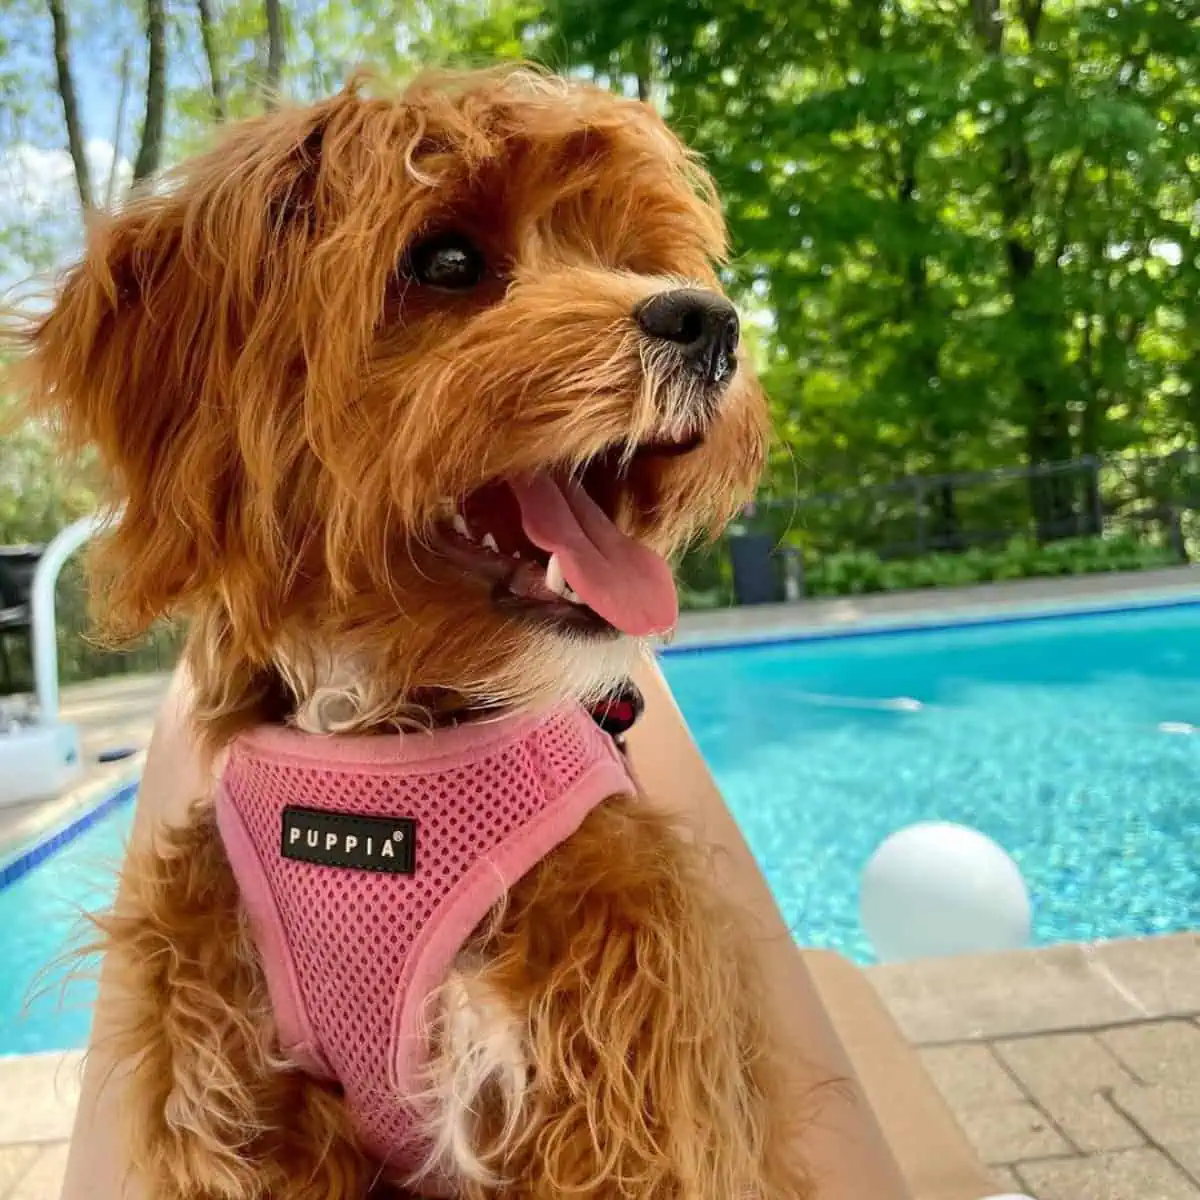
[{"x": 702, "y": 324}]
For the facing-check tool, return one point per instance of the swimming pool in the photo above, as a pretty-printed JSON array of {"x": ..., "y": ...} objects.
[
  {"x": 1064, "y": 738},
  {"x": 1067, "y": 739},
  {"x": 44, "y": 1005}
]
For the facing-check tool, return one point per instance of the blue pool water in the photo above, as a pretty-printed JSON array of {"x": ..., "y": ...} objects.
[
  {"x": 45, "y": 1004},
  {"x": 1046, "y": 735}
]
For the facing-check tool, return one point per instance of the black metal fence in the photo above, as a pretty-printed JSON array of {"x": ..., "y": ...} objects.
[
  {"x": 1110, "y": 513},
  {"x": 1088, "y": 497}
]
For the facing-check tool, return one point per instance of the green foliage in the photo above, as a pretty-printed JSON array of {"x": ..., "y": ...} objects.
[
  {"x": 38, "y": 495},
  {"x": 973, "y": 250},
  {"x": 80, "y": 658},
  {"x": 705, "y": 578},
  {"x": 856, "y": 572}
]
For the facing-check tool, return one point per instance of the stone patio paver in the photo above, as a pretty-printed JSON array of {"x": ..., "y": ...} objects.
[
  {"x": 15, "y": 1162},
  {"x": 1011, "y": 1133},
  {"x": 1123, "y": 1175},
  {"x": 38, "y": 1095},
  {"x": 1006, "y": 1180},
  {"x": 1001, "y": 995},
  {"x": 1168, "y": 1052},
  {"x": 1159, "y": 974},
  {"x": 970, "y": 1076},
  {"x": 1074, "y": 1063},
  {"x": 1091, "y": 1123},
  {"x": 933, "y": 606},
  {"x": 1188, "y": 1157},
  {"x": 1098, "y": 1096},
  {"x": 1169, "y": 1114}
]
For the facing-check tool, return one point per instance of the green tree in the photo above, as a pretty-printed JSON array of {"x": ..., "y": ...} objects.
[
  {"x": 972, "y": 227},
  {"x": 966, "y": 233}
]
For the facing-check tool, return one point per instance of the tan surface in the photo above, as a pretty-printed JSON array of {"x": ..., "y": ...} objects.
[
  {"x": 936, "y": 1159},
  {"x": 1111, "y": 1113},
  {"x": 937, "y": 605},
  {"x": 110, "y": 713},
  {"x": 43, "y": 1178},
  {"x": 1073, "y": 1071},
  {"x": 1063, "y": 988},
  {"x": 38, "y": 1094},
  {"x": 1125, "y": 1175}
]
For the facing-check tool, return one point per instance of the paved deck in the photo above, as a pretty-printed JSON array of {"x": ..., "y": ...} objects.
[
  {"x": 1074, "y": 1071},
  {"x": 939, "y": 605}
]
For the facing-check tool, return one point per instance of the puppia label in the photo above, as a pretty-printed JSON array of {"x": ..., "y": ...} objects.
[{"x": 329, "y": 839}]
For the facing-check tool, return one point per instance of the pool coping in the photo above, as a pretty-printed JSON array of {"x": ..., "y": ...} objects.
[
  {"x": 1066, "y": 988},
  {"x": 927, "y": 610},
  {"x": 96, "y": 798}
]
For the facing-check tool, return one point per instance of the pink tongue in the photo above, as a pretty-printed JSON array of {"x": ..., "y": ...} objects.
[{"x": 625, "y": 582}]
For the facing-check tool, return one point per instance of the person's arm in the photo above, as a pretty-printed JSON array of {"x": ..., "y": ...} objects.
[
  {"x": 844, "y": 1148},
  {"x": 171, "y": 780}
]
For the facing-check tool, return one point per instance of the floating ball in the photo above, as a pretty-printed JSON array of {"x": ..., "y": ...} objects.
[{"x": 937, "y": 889}]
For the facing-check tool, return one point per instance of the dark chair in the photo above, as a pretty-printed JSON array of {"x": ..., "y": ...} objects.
[{"x": 18, "y": 565}]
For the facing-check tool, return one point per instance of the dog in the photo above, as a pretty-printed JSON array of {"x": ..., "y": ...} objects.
[{"x": 407, "y": 400}]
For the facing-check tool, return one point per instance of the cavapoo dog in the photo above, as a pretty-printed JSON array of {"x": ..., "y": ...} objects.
[{"x": 407, "y": 401}]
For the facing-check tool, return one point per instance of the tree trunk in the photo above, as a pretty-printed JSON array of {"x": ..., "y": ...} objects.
[
  {"x": 216, "y": 80},
  {"x": 1048, "y": 424},
  {"x": 946, "y": 524},
  {"x": 643, "y": 67},
  {"x": 110, "y": 191},
  {"x": 926, "y": 355},
  {"x": 275, "y": 52},
  {"x": 1047, "y": 421},
  {"x": 150, "y": 152},
  {"x": 66, "y": 92}
]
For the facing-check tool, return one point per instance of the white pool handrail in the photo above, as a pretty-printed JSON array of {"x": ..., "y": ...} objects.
[{"x": 41, "y": 610}]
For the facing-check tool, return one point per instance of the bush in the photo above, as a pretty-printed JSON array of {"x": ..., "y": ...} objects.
[{"x": 854, "y": 572}]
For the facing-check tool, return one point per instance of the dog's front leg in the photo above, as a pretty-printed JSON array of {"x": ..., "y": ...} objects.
[{"x": 602, "y": 1037}]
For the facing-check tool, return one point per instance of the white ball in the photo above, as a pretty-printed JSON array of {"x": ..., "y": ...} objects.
[{"x": 937, "y": 889}]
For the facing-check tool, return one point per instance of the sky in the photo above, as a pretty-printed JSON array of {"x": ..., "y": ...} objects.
[
  {"x": 38, "y": 200},
  {"x": 39, "y": 205}
]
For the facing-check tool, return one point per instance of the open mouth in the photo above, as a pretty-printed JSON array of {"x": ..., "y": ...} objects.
[{"x": 548, "y": 546}]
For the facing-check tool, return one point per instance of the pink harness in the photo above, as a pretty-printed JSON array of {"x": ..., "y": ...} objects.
[{"x": 366, "y": 862}]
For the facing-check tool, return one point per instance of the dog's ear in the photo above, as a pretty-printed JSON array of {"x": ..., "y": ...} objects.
[
  {"x": 184, "y": 301},
  {"x": 113, "y": 365}
]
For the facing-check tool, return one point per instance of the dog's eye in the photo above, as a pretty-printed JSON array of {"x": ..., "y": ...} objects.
[{"x": 447, "y": 261}]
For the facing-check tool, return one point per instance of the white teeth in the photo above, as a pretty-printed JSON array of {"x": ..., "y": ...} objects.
[
  {"x": 516, "y": 554},
  {"x": 460, "y": 527},
  {"x": 489, "y": 543},
  {"x": 554, "y": 577},
  {"x": 572, "y": 595}
]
